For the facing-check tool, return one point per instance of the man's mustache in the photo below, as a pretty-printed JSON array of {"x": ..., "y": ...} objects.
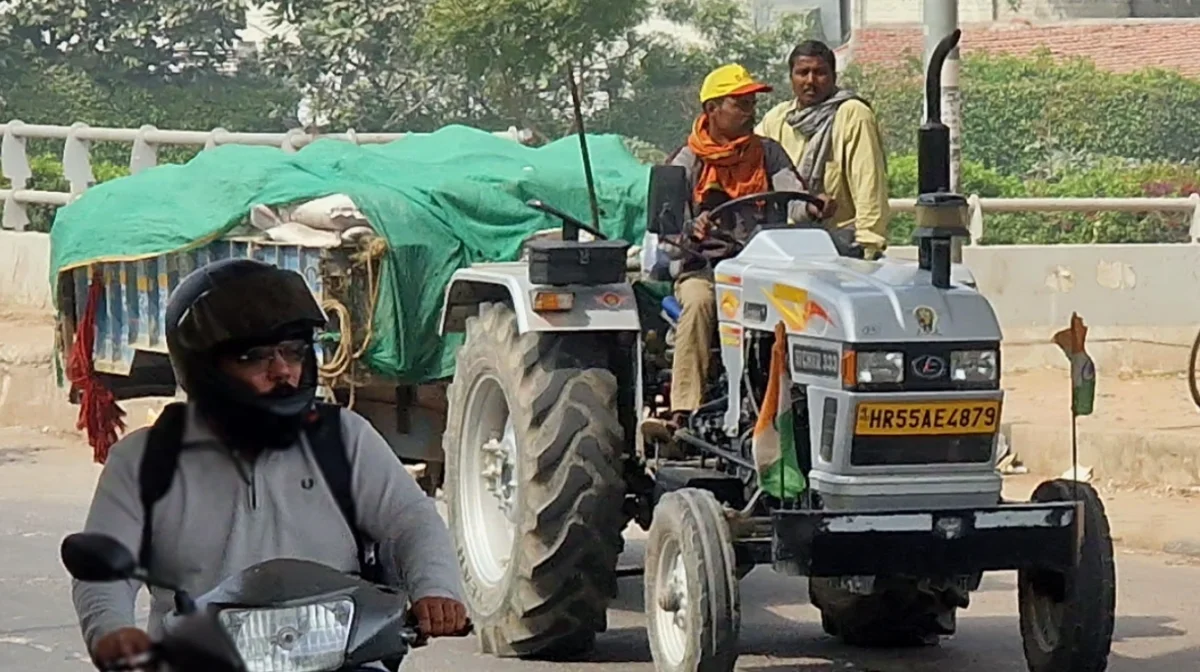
[{"x": 282, "y": 391}]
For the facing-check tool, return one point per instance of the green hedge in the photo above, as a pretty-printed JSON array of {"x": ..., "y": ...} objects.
[
  {"x": 1101, "y": 178},
  {"x": 1019, "y": 113},
  {"x": 62, "y": 95}
]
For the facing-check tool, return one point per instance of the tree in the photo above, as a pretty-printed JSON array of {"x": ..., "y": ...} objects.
[
  {"x": 420, "y": 64},
  {"x": 517, "y": 52},
  {"x": 121, "y": 63},
  {"x": 359, "y": 65},
  {"x": 154, "y": 39},
  {"x": 659, "y": 98}
]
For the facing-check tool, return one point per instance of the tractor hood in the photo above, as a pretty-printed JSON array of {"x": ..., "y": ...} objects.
[{"x": 796, "y": 276}]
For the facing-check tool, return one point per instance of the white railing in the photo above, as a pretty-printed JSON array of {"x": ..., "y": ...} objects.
[
  {"x": 77, "y": 169},
  {"x": 77, "y": 162},
  {"x": 1188, "y": 205}
]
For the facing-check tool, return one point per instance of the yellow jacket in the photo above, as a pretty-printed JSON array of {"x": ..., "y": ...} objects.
[{"x": 856, "y": 175}]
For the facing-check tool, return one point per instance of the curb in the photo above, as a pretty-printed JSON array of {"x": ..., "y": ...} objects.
[
  {"x": 1142, "y": 458},
  {"x": 1186, "y": 547}
]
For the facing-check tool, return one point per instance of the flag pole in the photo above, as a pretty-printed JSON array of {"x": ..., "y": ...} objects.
[
  {"x": 1083, "y": 385},
  {"x": 1074, "y": 446}
]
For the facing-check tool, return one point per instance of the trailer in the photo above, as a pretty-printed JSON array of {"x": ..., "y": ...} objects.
[
  {"x": 377, "y": 253},
  {"x": 130, "y": 349}
]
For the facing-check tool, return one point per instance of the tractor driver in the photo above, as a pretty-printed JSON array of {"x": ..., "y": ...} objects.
[{"x": 723, "y": 160}]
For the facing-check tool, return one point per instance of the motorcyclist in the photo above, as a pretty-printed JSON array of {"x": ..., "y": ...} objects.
[
  {"x": 247, "y": 488},
  {"x": 723, "y": 160}
]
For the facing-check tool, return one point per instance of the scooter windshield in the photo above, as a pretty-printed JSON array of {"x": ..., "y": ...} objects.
[{"x": 279, "y": 582}]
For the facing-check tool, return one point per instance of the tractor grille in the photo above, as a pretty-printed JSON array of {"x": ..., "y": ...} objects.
[{"x": 871, "y": 451}]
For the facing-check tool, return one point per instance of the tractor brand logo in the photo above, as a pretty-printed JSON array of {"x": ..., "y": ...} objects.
[
  {"x": 795, "y": 307},
  {"x": 729, "y": 304},
  {"x": 926, "y": 318},
  {"x": 929, "y": 367},
  {"x": 611, "y": 300}
]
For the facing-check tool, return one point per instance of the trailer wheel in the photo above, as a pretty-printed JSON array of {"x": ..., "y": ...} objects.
[
  {"x": 534, "y": 486},
  {"x": 692, "y": 597},
  {"x": 1067, "y": 618}
]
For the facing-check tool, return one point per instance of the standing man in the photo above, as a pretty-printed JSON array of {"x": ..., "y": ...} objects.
[{"x": 832, "y": 136}]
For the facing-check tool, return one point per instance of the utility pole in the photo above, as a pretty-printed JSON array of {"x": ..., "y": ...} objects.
[{"x": 941, "y": 19}]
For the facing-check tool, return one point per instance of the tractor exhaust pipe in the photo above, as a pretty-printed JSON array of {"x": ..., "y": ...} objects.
[{"x": 941, "y": 215}]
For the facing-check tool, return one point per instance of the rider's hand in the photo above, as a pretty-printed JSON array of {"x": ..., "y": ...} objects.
[
  {"x": 701, "y": 225},
  {"x": 828, "y": 207},
  {"x": 120, "y": 645},
  {"x": 440, "y": 617}
]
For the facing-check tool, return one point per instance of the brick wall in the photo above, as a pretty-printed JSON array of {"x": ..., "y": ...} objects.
[
  {"x": 910, "y": 11},
  {"x": 1120, "y": 46}
]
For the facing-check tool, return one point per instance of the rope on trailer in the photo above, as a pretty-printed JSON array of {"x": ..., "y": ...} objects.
[
  {"x": 99, "y": 413},
  {"x": 344, "y": 357}
]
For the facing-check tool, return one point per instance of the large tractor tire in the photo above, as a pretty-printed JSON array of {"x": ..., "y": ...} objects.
[
  {"x": 1067, "y": 618},
  {"x": 693, "y": 603},
  {"x": 534, "y": 485}
]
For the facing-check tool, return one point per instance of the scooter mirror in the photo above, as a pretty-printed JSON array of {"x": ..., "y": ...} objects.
[{"x": 97, "y": 558}]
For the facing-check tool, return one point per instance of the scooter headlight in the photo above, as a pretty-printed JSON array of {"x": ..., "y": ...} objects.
[{"x": 306, "y": 638}]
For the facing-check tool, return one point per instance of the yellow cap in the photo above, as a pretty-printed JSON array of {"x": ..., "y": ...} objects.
[{"x": 730, "y": 80}]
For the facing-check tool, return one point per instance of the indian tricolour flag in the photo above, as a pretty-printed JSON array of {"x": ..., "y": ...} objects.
[
  {"x": 774, "y": 441},
  {"x": 1072, "y": 340}
]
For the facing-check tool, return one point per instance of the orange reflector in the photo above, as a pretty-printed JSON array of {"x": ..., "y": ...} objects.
[
  {"x": 849, "y": 368},
  {"x": 553, "y": 302}
]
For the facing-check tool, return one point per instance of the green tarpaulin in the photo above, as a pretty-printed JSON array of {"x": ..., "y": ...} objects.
[{"x": 442, "y": 200}]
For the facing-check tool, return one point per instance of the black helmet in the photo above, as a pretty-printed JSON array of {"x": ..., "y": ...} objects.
[{"x": 228, "y": 306}]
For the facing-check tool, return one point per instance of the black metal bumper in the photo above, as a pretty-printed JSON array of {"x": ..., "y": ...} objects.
[{"x": 923, "y": 543}]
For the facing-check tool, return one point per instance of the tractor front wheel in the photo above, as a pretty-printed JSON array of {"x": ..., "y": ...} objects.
[
  {"x": 534, "y": 485},
  {"x": 1067, "y": 617}
]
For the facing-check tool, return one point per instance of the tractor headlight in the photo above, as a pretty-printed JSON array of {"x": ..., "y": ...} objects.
[
  {"x": 292, "y": 639},
  {"x": 880, "y": 367},
  {"x": 973, "y": 366}
]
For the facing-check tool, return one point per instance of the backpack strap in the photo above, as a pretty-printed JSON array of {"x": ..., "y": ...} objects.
[
  {"x": 325, "y": 437},
  {"x": 157, "y": 470}
]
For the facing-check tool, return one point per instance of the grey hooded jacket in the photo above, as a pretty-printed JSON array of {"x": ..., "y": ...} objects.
[{"x": 222, "y": 515}]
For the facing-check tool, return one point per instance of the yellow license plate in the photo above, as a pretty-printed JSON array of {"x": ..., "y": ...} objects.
[{"x": 930, "y": 418}]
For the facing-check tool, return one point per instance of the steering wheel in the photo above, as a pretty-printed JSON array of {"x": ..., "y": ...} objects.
[
  {"x": 775, "y": 200},
  {"x": 779, "y": 200}
]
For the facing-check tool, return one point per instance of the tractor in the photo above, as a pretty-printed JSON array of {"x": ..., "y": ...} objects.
[{"x": 882, "y": 415}]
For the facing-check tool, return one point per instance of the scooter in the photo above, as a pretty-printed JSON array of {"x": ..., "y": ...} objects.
[{"x": 285, "y": 614}]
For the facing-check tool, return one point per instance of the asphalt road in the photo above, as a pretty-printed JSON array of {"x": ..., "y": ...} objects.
[{"x": 45, "y": 485}]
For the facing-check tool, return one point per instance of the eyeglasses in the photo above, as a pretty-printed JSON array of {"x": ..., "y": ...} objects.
[{"x": 292, "y": 352}]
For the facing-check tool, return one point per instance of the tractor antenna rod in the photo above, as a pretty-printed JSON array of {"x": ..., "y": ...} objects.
[{"x": 577, "y": 108}]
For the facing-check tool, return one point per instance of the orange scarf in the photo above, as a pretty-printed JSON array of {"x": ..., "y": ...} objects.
[{"x": 735, "y": 168}]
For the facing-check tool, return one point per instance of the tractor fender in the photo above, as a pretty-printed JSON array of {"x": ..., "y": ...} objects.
[{"x": 610, "y": 307}]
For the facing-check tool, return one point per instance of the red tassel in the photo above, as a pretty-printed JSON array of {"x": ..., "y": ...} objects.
[{"x": 99, "y": 413}]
